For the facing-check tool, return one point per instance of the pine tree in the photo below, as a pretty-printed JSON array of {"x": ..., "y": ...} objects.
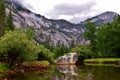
[
  {"x": 9, "y": 21},
  {"x": 2, "y": 17},
  {"x": 72, "y": 45},
  {"x": 90, "y": 30}
]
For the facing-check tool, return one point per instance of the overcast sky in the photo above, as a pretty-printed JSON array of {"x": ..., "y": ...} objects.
[{"x": 73, "y": 10}]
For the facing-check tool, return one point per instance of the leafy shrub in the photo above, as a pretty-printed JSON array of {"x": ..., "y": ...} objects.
[
  {"x": 3, "y": 67},
  {"x": 44, "y": 53},
  {"x": 16, "y": 47},
  {"x": 83, "y": 52}
]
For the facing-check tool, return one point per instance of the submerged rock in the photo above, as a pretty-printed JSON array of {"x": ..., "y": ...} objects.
[{"x": 70, "y": 58}]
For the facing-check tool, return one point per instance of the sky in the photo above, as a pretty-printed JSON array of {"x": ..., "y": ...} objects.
[{"x": 72, "y": 10}]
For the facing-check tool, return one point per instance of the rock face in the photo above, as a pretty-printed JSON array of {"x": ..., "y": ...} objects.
[
  {"x": 70, "y": 58},
  {"x": 46, "y": 30},
  {"x": 51, "y": 31},
  {"x": 103, "y": 18}
]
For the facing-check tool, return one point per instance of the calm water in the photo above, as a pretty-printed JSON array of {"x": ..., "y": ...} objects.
[{"x": 71, "y": 73}]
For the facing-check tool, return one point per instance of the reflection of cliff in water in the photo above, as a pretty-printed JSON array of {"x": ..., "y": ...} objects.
[{"x": 70, "y": 72}]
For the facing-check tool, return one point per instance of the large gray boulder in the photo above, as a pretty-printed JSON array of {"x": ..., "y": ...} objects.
[{"x": 70, "y": 58}]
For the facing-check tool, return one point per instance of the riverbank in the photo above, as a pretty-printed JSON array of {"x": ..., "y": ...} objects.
[
  {"x": 35, "y": 65},
  {"x": 101, "y": 61},
  {"x": 31, "y": 66}
]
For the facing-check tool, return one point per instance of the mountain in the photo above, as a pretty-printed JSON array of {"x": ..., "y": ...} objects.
[
  {"x": 103, "y": 18},
  {"x": 53, "y": 31}
]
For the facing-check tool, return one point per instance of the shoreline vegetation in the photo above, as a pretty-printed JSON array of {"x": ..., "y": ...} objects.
[
  {"x": 31, "y": 66},
  {"x": 45, "y": 65},
  {"x": 103, "y": 62}
]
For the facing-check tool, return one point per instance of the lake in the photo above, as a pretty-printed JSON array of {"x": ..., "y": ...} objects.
[{"x": 65, "y": 72}]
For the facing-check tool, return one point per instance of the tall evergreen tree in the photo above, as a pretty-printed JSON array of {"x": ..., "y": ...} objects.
[
  {"x": 102, "y": 40},
  {"x": 9, "y": 21},
  {"x": 72, "y": 45},
  {"x": 108, "y": 39},
  {"x": 90, "y": 30},
  {"x": 2, "y": 17}
]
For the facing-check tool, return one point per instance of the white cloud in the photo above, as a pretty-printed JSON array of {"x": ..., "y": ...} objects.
[
  {"x": 45, "y": 7},
  {"x": 108, "y": 5}
]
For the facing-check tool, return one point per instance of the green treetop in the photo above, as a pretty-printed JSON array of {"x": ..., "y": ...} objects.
[{"x": 2, "y": 17}]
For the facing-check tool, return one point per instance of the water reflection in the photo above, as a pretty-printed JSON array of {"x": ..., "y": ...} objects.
[
  {"x": 88, "y": 73},
  {"x": 67, "y": 72},
  {"x": 68, "y": 69}
]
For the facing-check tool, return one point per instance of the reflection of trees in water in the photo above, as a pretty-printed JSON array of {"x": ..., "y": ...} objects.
[
  {"x": 31, "y": 75},
  {"x": 98, "y": 73},
  {"x": 59, "y": 73},
  {"x": 83, "y": 73}
]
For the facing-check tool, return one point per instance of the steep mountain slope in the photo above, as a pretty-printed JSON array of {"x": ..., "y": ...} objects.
[
  {"x": 103, "y": 18},
  {"x": 53, "y": 31}
]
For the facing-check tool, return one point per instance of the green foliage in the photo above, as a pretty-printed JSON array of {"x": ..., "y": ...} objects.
[
  {"x": 47, "y": 45},
  {"x": 29, "y": 32},
  {"x": 60, "y": 50},
  {"x": 100, "y": 41},
  {"x": 108, "y": 40},
  {"x": 83, "y": 52},
  {"x": 15, "y": 47},
  {"x": 72, "y": 45},
  {"x": 36, "y": 63},
  {"x": 3, "y": 67},
  {"x": 2, "y": 17},
  {"x": 44, "y": 54},
  {"x": 103, "y": 61},
  {"x": 105, "y": 40},
  {"x": 89, "y": 34}
]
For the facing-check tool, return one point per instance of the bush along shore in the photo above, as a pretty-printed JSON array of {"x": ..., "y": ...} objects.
[{"x": 36, "y": 65}]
